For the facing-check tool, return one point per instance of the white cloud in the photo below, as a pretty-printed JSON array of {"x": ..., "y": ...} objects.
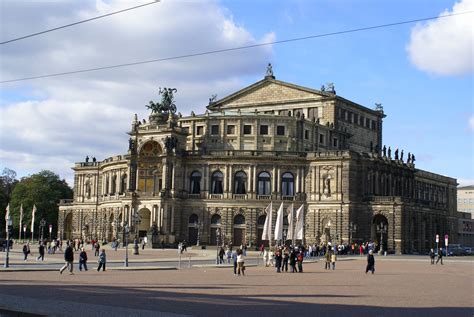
[
  {"x": 445, "y": 46},
  {"x": 465, "y": 182},
  {"x": 471, "y": 123},
  {"x": 54, "y": 122}
]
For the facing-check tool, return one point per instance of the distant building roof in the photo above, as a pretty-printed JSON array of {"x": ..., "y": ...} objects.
[{"x": 467, "y": 187}]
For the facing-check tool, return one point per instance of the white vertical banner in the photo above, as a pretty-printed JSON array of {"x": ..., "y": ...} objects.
[
  {"x": 267, "y": 227},
  {"x": 299, "y": 223},
  {"x": 21, "y": 220},
  {"x": 279, "y": 224},
  {"x": 33, "y": 221},
  {"x": 7, "y": 214},
  {"x": 290, "y": 210}
]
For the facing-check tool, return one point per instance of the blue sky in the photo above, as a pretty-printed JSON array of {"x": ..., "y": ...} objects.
[{"x": 427, "y": 93}]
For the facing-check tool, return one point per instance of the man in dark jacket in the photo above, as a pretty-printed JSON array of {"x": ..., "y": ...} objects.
[
  {"x": 69, "y": 259},
  {"x": 83, "y": 259},
  {"x": 440, "y": 256},
  {"x": 41, "y": 252}
]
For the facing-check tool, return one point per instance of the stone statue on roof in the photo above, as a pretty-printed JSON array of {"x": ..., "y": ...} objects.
[
  {"x": 269, "y": 71},
  {"x": 166, "y": 105}
]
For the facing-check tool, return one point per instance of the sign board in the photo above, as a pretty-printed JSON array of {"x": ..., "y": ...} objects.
[
  {"x": 446, "y": 239},
  {"x": 437, "y": 238}
]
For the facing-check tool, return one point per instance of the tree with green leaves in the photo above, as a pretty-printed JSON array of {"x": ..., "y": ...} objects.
[
  {"x": 44, "y": 190},
  {"x": 7, "y": 183}
]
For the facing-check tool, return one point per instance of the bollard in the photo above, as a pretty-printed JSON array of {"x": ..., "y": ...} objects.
[{"x": 190, "y": 261}]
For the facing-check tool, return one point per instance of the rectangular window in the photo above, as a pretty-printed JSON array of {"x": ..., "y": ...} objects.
[
  {"x": 313, "y": 113},
  {"x": 215, "y": 129},
  {"x": 321, "y": 138},
  {"x": 231, "y": 129},
  {"x": 280, "y": 130},
  {"x": 356, "y": 118},
  {"x": 306, "y": 134},
  {"x": 373, "y": 124},
  {"x": 334, "y": 142},
  {"x": 361, "y": 121},
  {"x": 367, "y": 122},
  {"x": 264, "y": 129},
  {"x": 199, "y": 130},
  {"x": 247, "y": 129},
  {"x": 350, "y": 117}
]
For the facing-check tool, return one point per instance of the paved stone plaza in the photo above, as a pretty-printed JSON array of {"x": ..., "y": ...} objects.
[{"x": 401, "y": 286}]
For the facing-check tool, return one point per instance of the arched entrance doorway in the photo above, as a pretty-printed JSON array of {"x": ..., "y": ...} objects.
[
  {"x": 193, "y": 229},
  {"x": 379, "y": 230},
  {"x": 260, "y": 224},
  {"x": 110, "y": 227},
  {"x": 239, "y": 230},
  {"x": 215, "y": 224},
  {"x": 144, "y": 225},
  {"x": 68, "y": 227}
]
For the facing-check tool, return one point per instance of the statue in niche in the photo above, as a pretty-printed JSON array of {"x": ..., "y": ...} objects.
[
  {"x": 88, "y": 189},
  {"x": 327, "y": 186}
]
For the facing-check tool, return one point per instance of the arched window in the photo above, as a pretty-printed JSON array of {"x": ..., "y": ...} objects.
[
  {"x": 264, "y": 187},
  {"x": 114, "y": 184},
  {"x": 215, "y": 219},
  {"x": 123, "y": 183},
  {"x": 240, "y": 181},
  {"x": 239, "y": 220},
  {"x": 106, "y": 191},
  {"x": 287, "y": 184},
  {"x": 193, "y": 219},
  {"x": 216, "y": 185},
  {"x": 261, "y": 220},
  {"x": 195, "y": 184}
]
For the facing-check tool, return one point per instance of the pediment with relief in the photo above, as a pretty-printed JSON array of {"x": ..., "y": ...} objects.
[{"x": 268, "y": 91}]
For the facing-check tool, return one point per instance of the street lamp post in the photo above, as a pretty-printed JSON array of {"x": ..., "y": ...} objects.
[
  {"x": 50, "y": 231},
  {"x": 42, "y": 224},
  {"x": 7, "y": 257},
  {"x": 382, "y": 228},
  {"x": 218, "y": 236},
  {"x": 136, "y": 221},
  {"x": 24, "y": 232},
  {"x": 126, "y": 231},
  {"x": 198, "y": 226}
]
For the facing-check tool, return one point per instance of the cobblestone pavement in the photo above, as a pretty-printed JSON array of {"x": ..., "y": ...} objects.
[{"x": 399, "y": 287}]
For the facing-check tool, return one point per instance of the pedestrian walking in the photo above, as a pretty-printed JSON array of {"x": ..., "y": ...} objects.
[
  {"x": 333, "y": 260},
  {"x": 240, "y": 263},
  {"x": 26, "y": 250},
  {"x": 262, "y": 249},
  {"x": 370, "y": 262},
  {"x": 234, "y": 261},
  {"x": 440, "y": 256},
  {"x": 97, "y": 248},
  {"x": 83, "y": 259},
  {"x": 432, "y": 256},
  {"x": 69, "y": 259},
  {"x": 299, "y": 259},
  {"x": 278, "y": 260},
  {"x": 327, "y": 257},
  {"x": 102, "y": 260},
  {"x": 41, "y": 252},
  {"x": 293, "y": 261},
  {"x": 286, "y": 257}
]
